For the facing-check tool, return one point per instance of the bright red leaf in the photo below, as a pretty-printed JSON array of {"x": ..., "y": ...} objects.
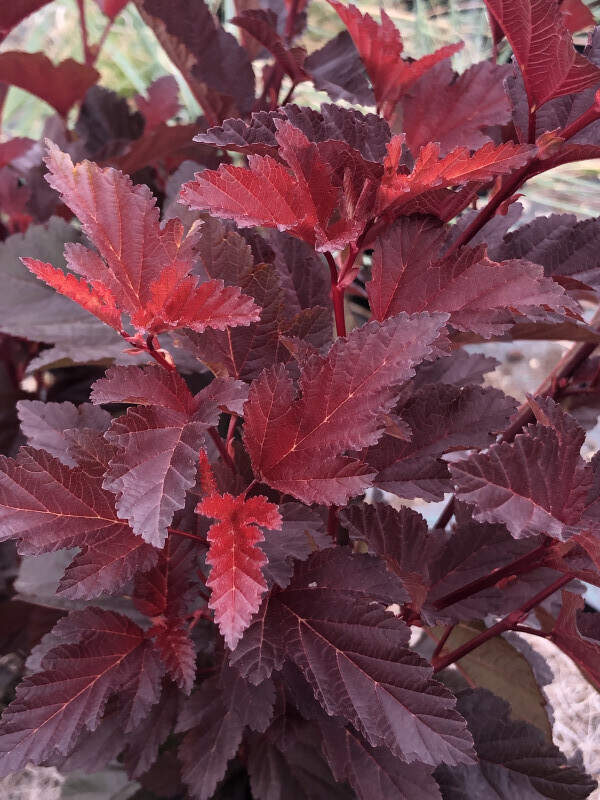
[
  {"x": 380, "y": 48},
  {"x": 236, "y": 580},
  {"x": 543, "y": 48}
]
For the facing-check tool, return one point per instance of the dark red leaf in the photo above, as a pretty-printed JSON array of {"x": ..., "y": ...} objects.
[
  {"x": 565, "y": 246},
  {"x": 336, "y": 68},
  {"x": 151, "y": 485},
  {"x": 543, "y": 48},
  {"x": 582, "y": 644},
  {"x": 216, "y": 68},
  {"x": 373, "y": 772},
  {"x": 442, "y": 418},
  {"x": 13, "y": 13},
  {"x": 217, "y": 715},
  {"x": 262, "y": 25},
  {"x": 409, "y": 274},
  {"x": 297, "y": 444},
  {"x": 349, "y": 650},
  {"x": 455, "y": 110},
  {"x": 515, "y": 759},
  {"x": 45, "y": 425},
  {"x": 537, "y": 484},
  {"x": 61, "y": 86},
  {"x": 101, "y": 654}
]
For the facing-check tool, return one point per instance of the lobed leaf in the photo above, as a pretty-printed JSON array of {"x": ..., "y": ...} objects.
[{"x": 297, "y": 443}]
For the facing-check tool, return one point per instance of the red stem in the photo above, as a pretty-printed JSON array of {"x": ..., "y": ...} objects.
[
  {"x": 533, "y": 631},
  {"x": 531, "y": 127},
  {"x": 510, "y": 622},
  {"x": 187, "y": 535},
  {"x": 337, "y": 296},
  {"x": 525, "y": 563},
  {"x": 214, "y": 435},
  {"x": 230, "y": 432},
  {"x": 102, "y": 40},
  {"x": 440, "y": 645},
  {"x": 87, "y": 55}
]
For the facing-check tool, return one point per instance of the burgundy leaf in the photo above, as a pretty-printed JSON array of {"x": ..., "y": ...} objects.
[
  {"x": 455, "y": 109},
  {"x": 366, "y": 133},
  {"x": 15, "y": 12},
  {"x": 157, "y": 443},
  {"x": 164, "y": 594},
  {"x": 217, "y": 715},
  {"x": 102, "y": 653},
  {"x": 373, "y": 772},
  {"x": 61, "y": 86},
  {"x": 297, "y": 443},
  {"x": 215, "y": 66},
  {"x": 565, "y": 246},
  {"x": 336, "y": 68},
  {"x": 409, "y": 274},
  {"x": 537, "y": 484},
  {"x": 262, "y": 25},
  {"x": 356, "y": 658},
  {"x": 579, "y": 641},
  {"x": 442, "y": 419},
  {"x": 515, "y": 759},
  {"x": 45, "y": 424}
]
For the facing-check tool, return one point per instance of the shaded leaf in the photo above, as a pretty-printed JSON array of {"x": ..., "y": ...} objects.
[
  {"x": 336, "y": 68},
  {"x": 101, "y": 654},
  {"x": 515, "y": 760}
]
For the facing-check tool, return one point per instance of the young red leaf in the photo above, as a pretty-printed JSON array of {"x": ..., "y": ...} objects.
[
  {"x": 112, "y": 8},
  {"x": 458, "y": 167},
  {"x": 297, "y": 444},
  {"x": 95, "y": 298},
  {"x": 61, "y": 86},
  {"x": 543, "y": 48},
  {"x": 380, "y": 48},
  {"x": 101, "y": 654},
  {"x": 410, "y": 274},
  {"x": 514, "y": 758},
  {"x": 236, "y": 580},
  {"x": 158, "y": 443},
  {"x": 537, "y": 484},
  {"x": 145, "y": 272},
  {"x": 309, "y": 201},
  {"x": 161, "y": 102}
]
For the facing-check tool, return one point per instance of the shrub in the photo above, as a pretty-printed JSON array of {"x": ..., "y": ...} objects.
[{"x": 232, "y": 611}]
